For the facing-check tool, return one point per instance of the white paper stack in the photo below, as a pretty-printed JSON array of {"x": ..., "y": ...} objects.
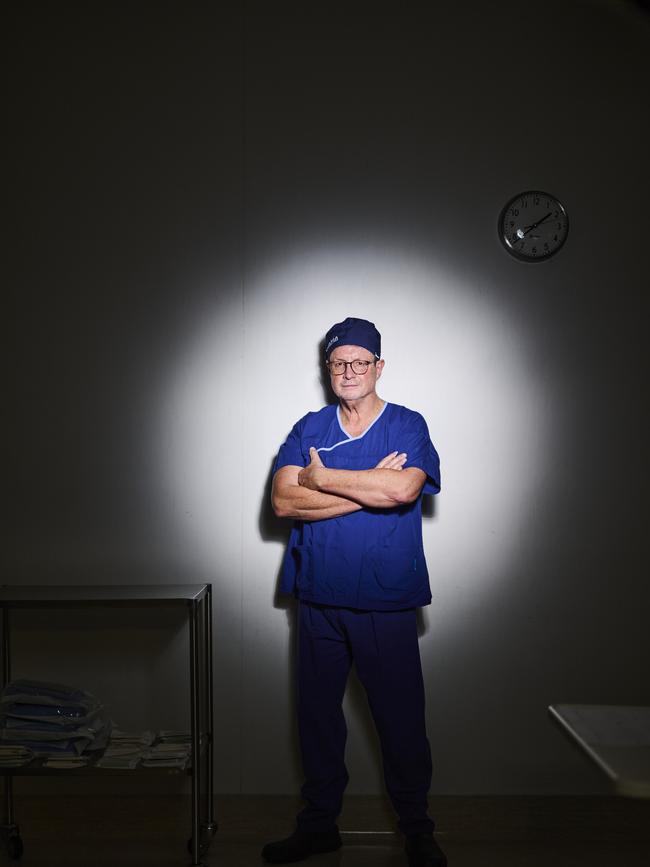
[
  {"x": 171, "y": 750},
  {"x": 125, "y": 750}
]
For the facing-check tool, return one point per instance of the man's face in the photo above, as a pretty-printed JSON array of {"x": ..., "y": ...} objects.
[{"x": 351, "y": 385}]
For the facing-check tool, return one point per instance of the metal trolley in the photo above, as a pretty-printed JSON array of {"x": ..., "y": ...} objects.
[{"x": 197, "y": 598}]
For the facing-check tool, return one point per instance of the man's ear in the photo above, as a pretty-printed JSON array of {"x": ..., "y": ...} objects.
[{"x": 380, "y": 367}]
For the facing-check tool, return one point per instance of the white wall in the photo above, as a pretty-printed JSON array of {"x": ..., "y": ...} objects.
[{"x": 356, "y": 167}]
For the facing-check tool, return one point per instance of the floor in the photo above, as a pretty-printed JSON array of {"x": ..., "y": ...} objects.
[
  {"x": 120, "y": 831},
  {"x": 459, "y": 855},
  {"x": 490, "y": 854}
]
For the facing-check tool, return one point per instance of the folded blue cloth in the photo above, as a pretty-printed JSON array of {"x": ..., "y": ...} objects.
[
  {"x": 37, "y": 726},
  {"x": 51, "y": 718},
  {"x": 32, "y": 711},
  {"x": 46, "y": 693}
]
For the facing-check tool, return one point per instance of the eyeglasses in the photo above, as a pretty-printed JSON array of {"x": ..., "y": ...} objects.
[{"x": 359, "y": 366}]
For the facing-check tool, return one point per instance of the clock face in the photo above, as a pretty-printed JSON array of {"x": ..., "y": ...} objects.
[{"x": 533, "y": 226}]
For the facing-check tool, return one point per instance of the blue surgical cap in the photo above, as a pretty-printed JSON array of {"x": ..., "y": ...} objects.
[{"x": 353, "y": 332}]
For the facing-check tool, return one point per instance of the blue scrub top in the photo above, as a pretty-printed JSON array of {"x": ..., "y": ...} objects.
[{"x": 372, "y": 559}]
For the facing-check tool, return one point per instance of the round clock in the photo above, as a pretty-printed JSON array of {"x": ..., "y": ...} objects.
[{"x": 533, "y": 226}]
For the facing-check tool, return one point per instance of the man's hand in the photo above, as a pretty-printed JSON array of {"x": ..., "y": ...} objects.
[
  {"x": 393, "y": 461},
  {"x": 308, "y": 477}
]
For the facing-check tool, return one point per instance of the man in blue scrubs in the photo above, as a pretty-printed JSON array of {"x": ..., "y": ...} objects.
[{"x": 352, "y": 476}]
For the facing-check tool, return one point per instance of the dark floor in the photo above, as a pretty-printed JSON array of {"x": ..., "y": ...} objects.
[
  {"x": 119, "y": 831},
  {"x": 488, "y": 854}
]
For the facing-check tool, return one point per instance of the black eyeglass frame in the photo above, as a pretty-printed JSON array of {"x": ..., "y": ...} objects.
[{"x": 351, "y": 363}]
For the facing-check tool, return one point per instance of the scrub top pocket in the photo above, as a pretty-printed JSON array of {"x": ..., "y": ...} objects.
[{"x": 397, "y": 570}]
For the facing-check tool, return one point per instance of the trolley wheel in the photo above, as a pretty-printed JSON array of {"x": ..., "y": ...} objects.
[{"x": 15, "y": 847}]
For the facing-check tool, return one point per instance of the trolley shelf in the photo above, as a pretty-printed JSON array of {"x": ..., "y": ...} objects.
[
  {"x": 37, "y": 768},
  {"x": 197, "y": 599},
  {"x": 104, "y": 595}
]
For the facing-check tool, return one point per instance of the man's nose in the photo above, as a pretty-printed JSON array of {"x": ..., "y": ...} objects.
[{"x": 349, "y": 373}]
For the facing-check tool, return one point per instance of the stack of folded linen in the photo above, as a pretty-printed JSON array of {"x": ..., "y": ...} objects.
[
  {"x": 171, "y": 750},
  {"x": 125, "y": 749},
  {"x": 14, "y": 757},
  {"x": 66, "y": 761},
  {"x": 52, "y": 720}
]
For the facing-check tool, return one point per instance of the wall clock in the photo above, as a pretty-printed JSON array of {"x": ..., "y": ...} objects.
[{"x": 533, "y": 226}]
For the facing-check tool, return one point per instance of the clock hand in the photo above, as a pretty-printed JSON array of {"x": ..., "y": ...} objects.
[{"x": 538, "y": 223}]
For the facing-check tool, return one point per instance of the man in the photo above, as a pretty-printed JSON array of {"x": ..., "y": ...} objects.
[{"x": 352, "y": 477}]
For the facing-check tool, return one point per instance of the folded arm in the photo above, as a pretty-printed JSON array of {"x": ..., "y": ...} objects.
[
  {"x": 292, "y": 500},
  {"x": 378, "y": 488},
  {"x": 295, "y": 495}
]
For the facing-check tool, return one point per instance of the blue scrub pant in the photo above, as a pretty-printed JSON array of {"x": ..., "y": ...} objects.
[{"x": 384, "y": 647}]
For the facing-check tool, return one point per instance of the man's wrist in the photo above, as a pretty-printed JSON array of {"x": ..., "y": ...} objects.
[
  {"x": 319, "y": 479},
  {"x": 335, "y": 482}
]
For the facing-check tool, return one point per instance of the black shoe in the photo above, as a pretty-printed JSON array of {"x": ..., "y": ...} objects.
[
  {"x": 301, "y": 845},
  {"x": 423, "y": 851}
]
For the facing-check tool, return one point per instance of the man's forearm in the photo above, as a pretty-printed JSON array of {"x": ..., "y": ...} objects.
[
  {"x": 297, "y": 502},
  {"x": 377, "y": 488}
]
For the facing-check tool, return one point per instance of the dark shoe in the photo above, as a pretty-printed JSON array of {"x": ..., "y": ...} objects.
[
  {"x": 301, "y": 845},
  {"x": 423, "y": 851}
]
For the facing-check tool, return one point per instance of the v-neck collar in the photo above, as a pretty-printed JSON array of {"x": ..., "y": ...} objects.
[{"x": 365, "y": 431}]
